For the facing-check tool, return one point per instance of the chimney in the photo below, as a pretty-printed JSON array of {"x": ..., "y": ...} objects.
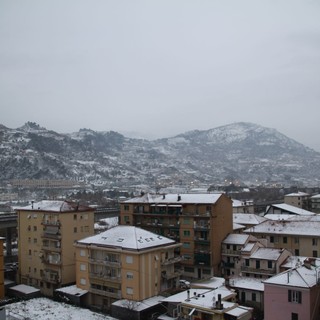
[
  {"x": 32, "y": 202},
  {"x": 179, "y": 197},
  {"x": 163, "y": 196},
  {"x": 188, "y": 295},
  {"x": 219, "y": 305}
]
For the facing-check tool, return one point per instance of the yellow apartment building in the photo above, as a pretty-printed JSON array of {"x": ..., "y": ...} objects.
[
  {"x": 46, "y": 234},
  {"x": 125, "y": 262},
  {"x": 199, "y": 222}
]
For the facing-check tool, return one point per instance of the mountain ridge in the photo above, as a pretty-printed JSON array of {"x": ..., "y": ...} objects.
[{"x": 242, "y": 151}]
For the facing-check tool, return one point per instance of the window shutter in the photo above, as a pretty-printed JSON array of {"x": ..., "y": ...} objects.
[
  {"x": 289, "y": 295},
  {"x": 299, "y": 296}
]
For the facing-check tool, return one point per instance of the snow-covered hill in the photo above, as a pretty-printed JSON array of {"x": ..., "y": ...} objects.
[{"x": 241, "y": 151}]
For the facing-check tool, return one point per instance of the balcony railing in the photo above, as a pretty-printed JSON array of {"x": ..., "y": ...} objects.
[
  {"x": 201, "y": 226},
  {"x": 116, "y": 264},
  {"x": 51, "y": 277},
  {"x": 51, "y": 222},
  {"x": 51, "y": 248},
  {"x": 104, "y": 276},
  {"x": 47, "y": 235},
  {"x": 258, "y": 271},
  {"x": 172, "y": 275},
  {"x": 171, "y": 261},
  {"x": 55, "y": 262},
  {"x": 231, "y": 252}
]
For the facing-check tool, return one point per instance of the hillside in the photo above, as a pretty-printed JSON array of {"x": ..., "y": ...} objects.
[{"x": 246, "y": 152}]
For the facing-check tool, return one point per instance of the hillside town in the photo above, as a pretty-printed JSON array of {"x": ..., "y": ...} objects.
[{"x": 168, "y": 256}]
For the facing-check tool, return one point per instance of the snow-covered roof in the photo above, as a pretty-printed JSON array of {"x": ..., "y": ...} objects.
[
  {"x": 72, "y": 290},
  {"x": 248, "y": 218},
  {"x": 287, "y": 228},
  {"x": 246, "y": 283},
  {"x": 106, "y": 223},
  {"x": 297, "y": 194},
  {"x": 175, "y": 198},
  {"x": 205, "y": 301},
  {"x": 316, "y": 196},
  {"x": 301, "y": 277},
  {"x": 23, "y": 288},
  {"x": 267, "y": 254},
  {"x": 239, "y": 311},
  {"x": 54, "y": 206},
  {"x": 238, "y": 203},
  {"x": 293, "y": 261},
  {"x": 290, "y": 209},
  {"x": 276, "y": 216},
  {"x": 235, "y": 238},
  {"x": 248, "y": 247},
  {"x": 127, "y": 237},
  {"x": 237, "y": 226},
  {"x": 212, "y": 283}
]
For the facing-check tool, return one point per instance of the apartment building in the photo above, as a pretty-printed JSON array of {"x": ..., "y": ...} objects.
[
  {"x": 199, "y": 221},
  {"x": 301, "y": 235},
  {"x": 46, "y": 233},
  {"x": 293, "y": 294},
  {"x": 126, "y": 262},
  {"x": 297, "y": 199},
  {"x": 315, "y": 203}
]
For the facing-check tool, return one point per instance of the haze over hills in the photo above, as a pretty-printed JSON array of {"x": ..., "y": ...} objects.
[{"x": 242, "y": 152}]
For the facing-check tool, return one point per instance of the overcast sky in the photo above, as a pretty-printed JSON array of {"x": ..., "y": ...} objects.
[{"x": 161, "y": 68}]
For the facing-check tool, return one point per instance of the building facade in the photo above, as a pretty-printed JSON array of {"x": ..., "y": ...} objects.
[
  {"x": 199, "y": 221},
  {"x": 125, "y": 262},
  {"x": 46, "y": 233}
]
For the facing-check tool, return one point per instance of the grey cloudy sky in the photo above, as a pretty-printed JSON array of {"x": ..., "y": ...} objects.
[{"x": 161, "y": 67}]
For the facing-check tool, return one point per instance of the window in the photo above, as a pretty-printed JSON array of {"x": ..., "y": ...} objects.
[
  {"x": 186, "y": 233},
  {"x": 247, "y": 262},
  {"x": 294, "y": 296},
  {"x": 74, "y": 217},
  {"x": 129, "y": 290},
  {"x": 83, "y": 281},
  {"x": 315, "y": 253},
  {"x": 269, "y": 264},
  {"x": 234, "y": 247},
  {"x": 285, "y": 240},
  {"x": 296, "y": 240},
  {"x": 129, "y": 275},
  {"x": 254, "y": 297},
  {"x": 294, "y": 316},
  {"x": 75, "y": 230},
  {"x": 272, "y": 239},
  {"x": 186, "y": 245},
  {"x": 314, "y": 242},
  {"x": 296, "y": 252},
  {"x": 82, "y": 253},
  {"x": 257, "y": 264},
  {"x": 186, "y": 220},
  {"x": 35, "y": 270},
  {"x": 129, "y": 259},
  {"x": 29, "y": 252},
  {"x": 34, "y": 228},
  {"x": 35, "y": 240},
  {"x": 83, "y": 267},
  {"x": 85, "y": 216},
  {"x": 126, "y": 207}
]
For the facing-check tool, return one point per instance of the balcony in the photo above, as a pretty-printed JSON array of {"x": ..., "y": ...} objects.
[
  {"x": 201, "y": 226},
  {"x": 270, "y": 271},
  {"x": 51, "y": 248},
  {"x": 231, "y": 252},
  {"x": 171, "y": 261},
  {"x": 202, "y": 259},
  {"x": 116, "y": 295},
  {"x": 51, "y": 223},
  {"x": 171, "y": 275},
  {"x": 104, "y": 276},
  {"x": 51, "y": 277},
  {"x": 50, "y": 261},
  {"x": 202, "y": 240},
  {"x": 115, "y": 264}
]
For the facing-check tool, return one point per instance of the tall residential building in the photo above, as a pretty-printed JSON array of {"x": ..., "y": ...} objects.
[
  {"x": 199, "y": 221},
  {"x": 297, "y": 199},
  {"x": 125, "y": 262},
  {"x": 47, "y": 231}
]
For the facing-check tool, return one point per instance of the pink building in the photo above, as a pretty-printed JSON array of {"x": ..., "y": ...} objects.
[{"x": 294, "y": 294}]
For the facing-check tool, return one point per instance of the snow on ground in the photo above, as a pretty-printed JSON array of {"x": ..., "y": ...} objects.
[{"x": 46, "y": 309}]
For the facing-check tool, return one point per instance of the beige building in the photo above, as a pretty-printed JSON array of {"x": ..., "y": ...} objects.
[
  {"x": 46, "y": 233},
  {"x": 301, "y": 235},
  {"x": 297, "y": 199},
  {"x": 199, "y": 221},
  {"x": 125, "y": 262}
]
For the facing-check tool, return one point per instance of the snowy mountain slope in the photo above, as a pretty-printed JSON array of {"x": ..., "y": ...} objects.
[{"x": 243, "y": 151}]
